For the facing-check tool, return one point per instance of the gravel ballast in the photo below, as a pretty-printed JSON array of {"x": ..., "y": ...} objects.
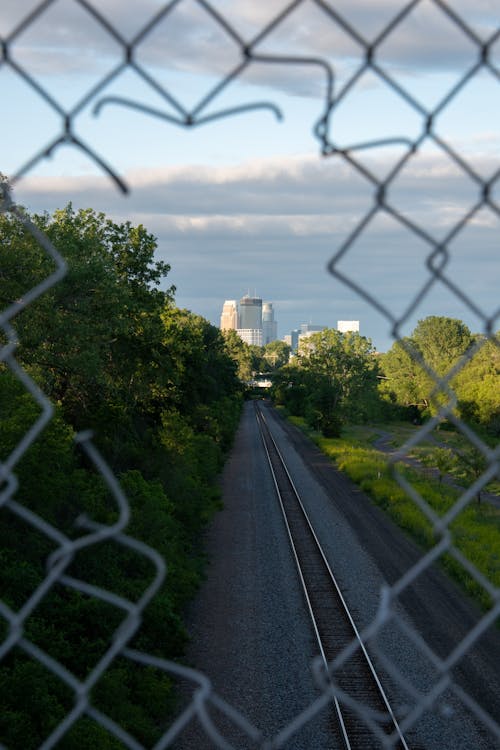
[{"x": 250, "y": 630}]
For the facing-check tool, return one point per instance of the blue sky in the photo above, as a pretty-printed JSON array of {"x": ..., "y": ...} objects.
[{"x": 247, "y": 202}]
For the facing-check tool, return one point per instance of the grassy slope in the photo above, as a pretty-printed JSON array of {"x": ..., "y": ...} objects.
[{"x": 475, "y": 531}]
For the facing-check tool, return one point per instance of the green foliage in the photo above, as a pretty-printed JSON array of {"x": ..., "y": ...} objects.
[
  {"x": 275, "y": 355},
  {"x": 248, "y": 358},
  {"x": 400, "y": 383},
  {"x": 332, "y": 380},
  {"x": 443, "y": 343},
  {"x": 160, "y": 388},
  {"x": 475, "y": 531},
  {"x": 443, "y": 459},
  {"x": 478, "y": 386},
  {"x": 23, "y": 680}
]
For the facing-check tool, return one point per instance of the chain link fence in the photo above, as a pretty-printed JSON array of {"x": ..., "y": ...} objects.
[{"x": 250, "y": 53}]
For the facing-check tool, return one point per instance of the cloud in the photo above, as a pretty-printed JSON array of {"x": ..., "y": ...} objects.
[
  {"x": 273, "y": 225},
  {"x": 66, "y": 38}
]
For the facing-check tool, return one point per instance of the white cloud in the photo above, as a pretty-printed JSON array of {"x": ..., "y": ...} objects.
[
  {"x": 273, "y": 225},
  {"x": 189, "y": 39}
]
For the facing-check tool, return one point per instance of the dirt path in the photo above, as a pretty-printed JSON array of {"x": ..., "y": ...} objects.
[{"x": 383, "y": 444}]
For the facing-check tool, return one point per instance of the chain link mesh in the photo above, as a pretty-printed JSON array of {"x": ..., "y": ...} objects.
[{"x": 437, "y": 261}]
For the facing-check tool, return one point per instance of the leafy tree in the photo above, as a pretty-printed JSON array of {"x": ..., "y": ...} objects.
[
  {"x": 91, "y": 339},
  {"x": 276, "y": 354},
  {"x": 248, "y": 358},
  {"x": 441, "y": 341},
  {"x": 203, "y": 372},
  {"x": 113, "y": 352},
  {"x": 478, "y": 386},
  {"x": 443, "y": 459},
  {"x": 402, "y": 376},
  {"x": 471, "y": 464},
  {"x": 332, "y": 379},
  {"x": 346, "y": 360}
]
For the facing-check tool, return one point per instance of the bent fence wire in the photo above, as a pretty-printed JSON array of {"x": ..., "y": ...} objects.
[{"x": 436, "y": 260}]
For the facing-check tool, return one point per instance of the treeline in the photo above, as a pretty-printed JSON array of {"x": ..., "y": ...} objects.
[
  {"x": 160, "y": 390},
  {"x": 445, "y": 345},
  {"x": 332, "y": 380},
  {"x": 337, "y": 378},
  {"x": 254, "y": 360}
]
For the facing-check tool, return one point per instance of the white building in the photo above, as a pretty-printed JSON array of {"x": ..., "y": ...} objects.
[
  {"x": 345, "y": 326},
  {"x": 251, "y": 336}
]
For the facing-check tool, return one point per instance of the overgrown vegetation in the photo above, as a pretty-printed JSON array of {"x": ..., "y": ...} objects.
[
  {"x": 160, "y": 388},
  {"x": 337, "y": 390},
  {"x": 337, "y": 378},
  {"x": 475, "y": 531},
  {"x": 331, "y": 381},
  {"x": 444, "y": 344}
]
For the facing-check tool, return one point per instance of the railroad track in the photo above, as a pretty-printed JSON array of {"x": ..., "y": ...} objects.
[{"x": 333, "y": 625}]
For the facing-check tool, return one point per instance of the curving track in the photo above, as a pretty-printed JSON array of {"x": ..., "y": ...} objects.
[{"x": 333, "y": 625}]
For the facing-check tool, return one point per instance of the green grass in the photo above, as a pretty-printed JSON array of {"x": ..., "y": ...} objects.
[{"x": 475, "y": 532}]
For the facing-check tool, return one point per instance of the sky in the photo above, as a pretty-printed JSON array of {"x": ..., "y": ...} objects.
[{"x": 248, "y": 202}]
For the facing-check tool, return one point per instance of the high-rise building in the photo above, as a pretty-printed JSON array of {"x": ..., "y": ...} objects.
[
  {"x": 292, "y": 339},
  {"x": 253, "y": 321},
  {"x": 229, "y": 317},
  {"x": 250, "y": 312},
  {"x": 269, "y": 324}
]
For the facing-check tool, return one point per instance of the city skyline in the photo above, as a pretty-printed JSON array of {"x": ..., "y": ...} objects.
[
  {"x": 251, "y": 196},
  {"x": 252, "y": 319}
]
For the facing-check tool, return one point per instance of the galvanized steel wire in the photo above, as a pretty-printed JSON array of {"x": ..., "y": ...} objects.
[{"x": 437, "y": 260}]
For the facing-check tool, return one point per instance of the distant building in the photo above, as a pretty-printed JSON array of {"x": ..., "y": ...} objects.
[
  {"x": 250, "y": 312},
  {"x": 229, "y": 317},
  {"x": 251, "y": 336},
  {"x": 345, "y": 326},
  {"x": 252, "y": 320},
  {"x": 292, "y": 339},
  {"x": 269, "y": 325},
  {"x": 308, "y": 328}
]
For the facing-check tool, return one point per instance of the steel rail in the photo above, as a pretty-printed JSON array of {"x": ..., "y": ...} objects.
[
  {"x": 338, "y": 709},
  {"x": 265, "y": 429}
]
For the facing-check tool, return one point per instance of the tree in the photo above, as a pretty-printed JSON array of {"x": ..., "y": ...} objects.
[
  {"x": 158, "y": 384},
  {"x": 204, "y": 375},
  {"x": 401, "y": 381},
  {"x": 478, "y": 386},
  {"x": 332, "y": 379},
  {"x": 91, "y": 338},
  {"x": 440, "y": 342},
  {"x": 443, "y": 459},
  {"x": 346, "y": 361},
  {"x": 276, "y": 354},
  {"x": 247, "y": 357},
  {"x": 471, "y": 463}
]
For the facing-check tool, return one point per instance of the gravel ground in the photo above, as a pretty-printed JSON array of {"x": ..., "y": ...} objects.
[{"x": 250, "y": 632}]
